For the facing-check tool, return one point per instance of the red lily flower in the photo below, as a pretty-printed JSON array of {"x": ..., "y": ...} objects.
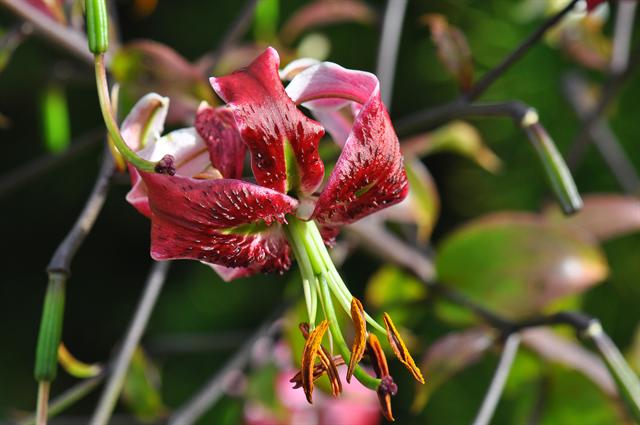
[{"x": 206, "y": 212}]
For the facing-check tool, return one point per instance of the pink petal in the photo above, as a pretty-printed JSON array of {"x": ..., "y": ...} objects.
[
  {"x": 231, "y": 273},
  {"x": 226, "y": 149},
  {"x": 195, "y": 219},
  {"x": 191, "y": 157},
  {"x": 266, "y": 118},
  {"x": 145, "y": 122},
  {"x": 369, "y": 174},
  {"x": 142, "y": 126}
]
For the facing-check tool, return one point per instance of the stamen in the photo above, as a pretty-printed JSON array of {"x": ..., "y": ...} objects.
[
  {"x": 360, "y": 338},
  {"x": 327, "y": 363},
  {"x": 400, "y": 349},
  {"x": 387, "y": 387},
  {"x": 309, "y": 354}
]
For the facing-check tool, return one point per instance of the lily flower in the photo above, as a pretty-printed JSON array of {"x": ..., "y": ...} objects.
[{"x": 206, "y": 211}]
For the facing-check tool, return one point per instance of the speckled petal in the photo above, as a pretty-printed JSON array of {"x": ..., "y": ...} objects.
[
  {"x": 217, "y": 128},
  {"x": 226, "y": 222},
  {"x": 369, "y": 174},
  {"x": 191, "y": 157},
  {"x": 267, "y": 118}
]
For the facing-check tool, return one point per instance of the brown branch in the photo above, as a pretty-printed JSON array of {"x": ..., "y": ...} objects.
[
  {"x": 65, "y": 37},
  {"x": 61, "y": 261}
]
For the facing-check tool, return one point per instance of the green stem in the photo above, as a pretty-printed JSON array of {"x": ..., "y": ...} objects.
[
  {"x": 361, "y": 375},
  {"x": 68, "y": 398},
  {"x": 110, "y": 121},
  {"x": 306, "y": 272},
  {"x": 317, "y": 269},
  {"x": 625, "y": 379},
  {"x": 338, "y": 287},
  {"x": 43, "y": 401}
]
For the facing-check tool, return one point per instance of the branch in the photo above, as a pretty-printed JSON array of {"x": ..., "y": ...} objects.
[
  {"x": 527, "y": 119},
  {"x": 500, "y": 376},
  {"x": 602, "y": 136},
  {"x": 211, "y": 392},
  {"x": 110, "y": 395},
  {"x": 490, "y": 77},
  {"x": 61, "y": 260},
  {"x": 610, "y": 90},
  {"x": 388, "y": 48},
  {"x": 66, "y": 38},
  {"x": 68, "y": 398},
  {"x": 27, "y": 172}
]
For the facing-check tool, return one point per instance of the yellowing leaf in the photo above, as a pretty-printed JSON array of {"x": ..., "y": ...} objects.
[
  {"x": 516, "y": 264},
  {"x": 457, "y": 137},
  {"x": 453, "y": 49}
]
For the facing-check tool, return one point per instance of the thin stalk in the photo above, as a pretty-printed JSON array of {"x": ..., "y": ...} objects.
[
  {"x": 306, "y": 273},
  {"x": 43, "y": 402},
  {"x": 361, "y": 375},
  {"x": 492, "y": 398},
  {"x": 68, "y": 398},
  {"x": 143, "y": 312},
  {"x": 110, "y": 121}
]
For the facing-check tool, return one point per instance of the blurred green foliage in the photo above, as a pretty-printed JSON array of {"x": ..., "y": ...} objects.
[{"x": 109, "y": 270}]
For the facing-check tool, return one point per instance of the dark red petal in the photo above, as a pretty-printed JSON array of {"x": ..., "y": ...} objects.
[
  {"x": 199, "y": 219},
  {"x": 266, "y": 117},
  {"x": 265, "y": 252},
  {"x": 226, "y": 148},
  {"x": 369, "y": 174}
]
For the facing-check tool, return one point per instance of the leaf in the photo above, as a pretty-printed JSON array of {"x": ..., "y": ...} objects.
[
  {"x": 391, "y": 287},
  {"x": 605, "y": 216},
  {"x": 516, "y": 263},
  {"x": 456, "y": 137},
  {"x": 55, "y": 119},
  {"x": 265, "y": 22},
  {"x": 449, "y": 355},
  {"x": 325, "y": 12},
  {"x": 553, "y": 347},
  {"x": 453, "y": 49},
  {"x": 141, "y": 389},
  {"x": 424, "y": 201}
]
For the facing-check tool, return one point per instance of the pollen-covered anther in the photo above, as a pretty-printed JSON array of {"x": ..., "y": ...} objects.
[
  {"x": 166, "y": 165},
  {"x": 360, "y": 337},
  {"x": 328, "y": 364},
  {"x": 311, "y": 349},
  {"x": 400, "y": 349}
]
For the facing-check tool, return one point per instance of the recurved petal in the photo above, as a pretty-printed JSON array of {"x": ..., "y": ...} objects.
[
  {"x": 217, "y": 128},
  {"x": 226, "y": 222},
  {"x": 267, "y": 120},
  {"x": 191, "y": 158},
  {"x": 369, "y": 174},
  {"x": 145, "y": 122}
]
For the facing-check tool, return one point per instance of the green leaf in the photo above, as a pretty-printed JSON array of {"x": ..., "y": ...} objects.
[
  {"x": 141, "y": 389},
  {"x": 516, "y": 264},
  {"x": 457, "y": 137},
  {"x": 423, "y": 197},
  {"x": 55, "y": 119},
  {"x": 265, "y": 24},
  {"x": 391, "y": 286}
]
